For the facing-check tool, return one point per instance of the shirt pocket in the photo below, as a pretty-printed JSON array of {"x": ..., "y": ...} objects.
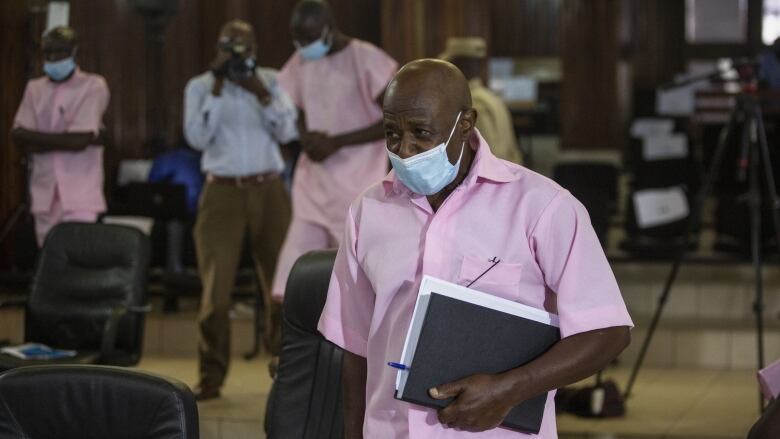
[{"x": 502, "y": 280}]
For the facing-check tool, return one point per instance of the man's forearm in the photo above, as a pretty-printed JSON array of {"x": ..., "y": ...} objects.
[
  {"x": 363, "y": 135},
  {"x": 37, "y": 141},
  {"x": 353, "y": 379},
  {"x": 570, "y": 360}
]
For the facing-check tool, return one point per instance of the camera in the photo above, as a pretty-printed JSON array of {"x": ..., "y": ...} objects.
[{"x": 238, "y": 66}]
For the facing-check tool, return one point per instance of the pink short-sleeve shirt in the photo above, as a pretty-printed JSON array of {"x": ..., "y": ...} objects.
[
  {"x": 338, "y": 94},
  {"x": 76, "y": 105},
  {"x": 550, "y": 259}
]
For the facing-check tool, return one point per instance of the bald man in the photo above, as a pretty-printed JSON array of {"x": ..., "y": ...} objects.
[
  {"x": 58, "y": 123},
  {"x": 238, "y": 116},
  {"x": 429, "y": 216},
  {"x": 337, "y": 83}
]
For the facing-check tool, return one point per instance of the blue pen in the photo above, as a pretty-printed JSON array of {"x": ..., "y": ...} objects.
[{"x": 398, "y": 366}]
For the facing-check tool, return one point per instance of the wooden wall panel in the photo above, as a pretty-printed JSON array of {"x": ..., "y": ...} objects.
[
  {"x": 454, "y": 18},
  {"x": 13, "y": 21},
  {"x": 657, "y": 44},
  {"x": 403, "y": 29},
  {"x": 414, "y": 29},
  {"x": 524, "y": 28},
  {"x": 590, "y": 101}
]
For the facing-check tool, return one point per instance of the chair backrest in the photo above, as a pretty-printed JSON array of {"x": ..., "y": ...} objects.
[
  {"x": 305, "y": 400},
  {"x": 84, "y": 272},
  {"x": 94, "y": 402},
  {"x": 595, "y": 185}
]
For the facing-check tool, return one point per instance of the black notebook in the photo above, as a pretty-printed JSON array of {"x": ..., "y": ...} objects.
[{"x": 456, "y": 332}]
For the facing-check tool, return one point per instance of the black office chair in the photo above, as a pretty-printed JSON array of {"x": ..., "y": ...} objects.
[
  {"x": 88, "y": 294},
  {"x": 305, "y": 400},
  {"x": 86, "y": 402},
  {"x": 595, "y": 185}
]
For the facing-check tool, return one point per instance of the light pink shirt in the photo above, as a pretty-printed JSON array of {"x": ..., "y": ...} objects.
[
  {"x": 550, "y": 259},
  {"x": 338, "y": 94},
  {"x": 76, "y": 105},
  {"x": 769, "y": 379}
]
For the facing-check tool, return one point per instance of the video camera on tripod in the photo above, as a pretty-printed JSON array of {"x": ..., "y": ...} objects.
[
  {"x": 742, "y": 142},
  {"x": 240, "y": 65}
]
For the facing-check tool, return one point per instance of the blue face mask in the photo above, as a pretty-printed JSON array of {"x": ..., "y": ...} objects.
[
  {"x": 317, "y": 49},
  {"x": 59, "y": 70},
  {"x": 428, "y": 172}
]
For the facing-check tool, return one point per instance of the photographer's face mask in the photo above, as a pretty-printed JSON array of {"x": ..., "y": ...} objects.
[
  {"x": 316, "y": 49},
  {"x": 428, "y": 172}
]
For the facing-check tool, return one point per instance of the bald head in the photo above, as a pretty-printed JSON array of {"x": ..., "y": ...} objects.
[
  {"x": 422, "y": 104},
  {"x": 309, "y": 20},
  {"x": 431, "y": 80}
]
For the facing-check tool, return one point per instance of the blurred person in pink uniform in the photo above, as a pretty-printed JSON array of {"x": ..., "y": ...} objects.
[
  {"x": 59, "y": 124},
  {"x": 337, "y": 83}
]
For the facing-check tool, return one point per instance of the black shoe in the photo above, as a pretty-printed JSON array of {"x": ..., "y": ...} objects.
[{"x": 205, "y": 391}]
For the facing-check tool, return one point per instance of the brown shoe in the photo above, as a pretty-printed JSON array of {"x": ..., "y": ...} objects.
[{"x": 206, "y": 391}]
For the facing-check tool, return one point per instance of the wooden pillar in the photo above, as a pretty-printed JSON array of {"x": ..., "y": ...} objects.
[
  {"x": 403, "y": 30},
  {"x": 658, "y": 46},
  {"x": 594, "y": 83},
  {"x": 414, "y": 29},
  {"x": 15, "y": 20}
]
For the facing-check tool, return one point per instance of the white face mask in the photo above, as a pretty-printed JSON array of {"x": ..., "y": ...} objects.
[{"x": 428, "y": 172}]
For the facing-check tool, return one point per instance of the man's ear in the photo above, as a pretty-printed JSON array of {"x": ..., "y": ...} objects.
[{"x": 468, "y": 121}]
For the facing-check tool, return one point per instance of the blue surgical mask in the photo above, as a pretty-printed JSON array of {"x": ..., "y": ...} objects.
[
  {"x": 59, "y": 70},
  {"x": 316, "y": 49},
  {"x": 428, "y": 172}
]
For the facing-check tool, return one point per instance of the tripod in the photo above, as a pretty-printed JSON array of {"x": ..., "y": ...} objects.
[{"x": 754, "y": 162}]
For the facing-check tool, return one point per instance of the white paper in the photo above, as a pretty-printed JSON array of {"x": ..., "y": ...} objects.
[
  {"x": 656, "y": 207},
  {"x": 142, "y": 223},
  {"x": 665, "y": 147},
  {"x": 519, "y": 88},
  {"x": 133, "y": 171},
  {"x": 500, "y": 67},
  {"x": 648, "y": 127},
  {"x": 57, "y": 14},
  {"x": 431, "y": 284},
  {"x": 675, "y": 102}
]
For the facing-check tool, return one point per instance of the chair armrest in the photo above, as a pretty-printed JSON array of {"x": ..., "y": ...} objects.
[
  {"x": 108, "y": 341},
  {"x": 13, "y": 303}
]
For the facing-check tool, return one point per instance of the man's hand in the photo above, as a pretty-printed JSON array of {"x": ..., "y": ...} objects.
[
  {"x": 318, "y": 145},
  {"x": 254, "y": 85},
  {"x": 481, "y": 402},
  {"x": 217, "y": 67}
]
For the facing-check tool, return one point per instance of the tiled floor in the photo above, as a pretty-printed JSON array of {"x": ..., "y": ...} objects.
[
  {"x": 667, "y": 403},
  {"x": 239, "y": 413}
]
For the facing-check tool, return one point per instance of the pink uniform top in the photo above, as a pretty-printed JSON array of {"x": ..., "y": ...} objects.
[
  {"x": 550, "y": 259},
  {"x": 76, "y": 105},
  {"x": 338, "y": 94}
]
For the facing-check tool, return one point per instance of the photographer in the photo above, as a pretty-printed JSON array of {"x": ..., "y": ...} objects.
[{"x": 237, "y": 115}]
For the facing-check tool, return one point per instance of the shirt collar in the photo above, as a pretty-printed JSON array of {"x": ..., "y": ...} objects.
[{"x": 486, "y": 167}]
